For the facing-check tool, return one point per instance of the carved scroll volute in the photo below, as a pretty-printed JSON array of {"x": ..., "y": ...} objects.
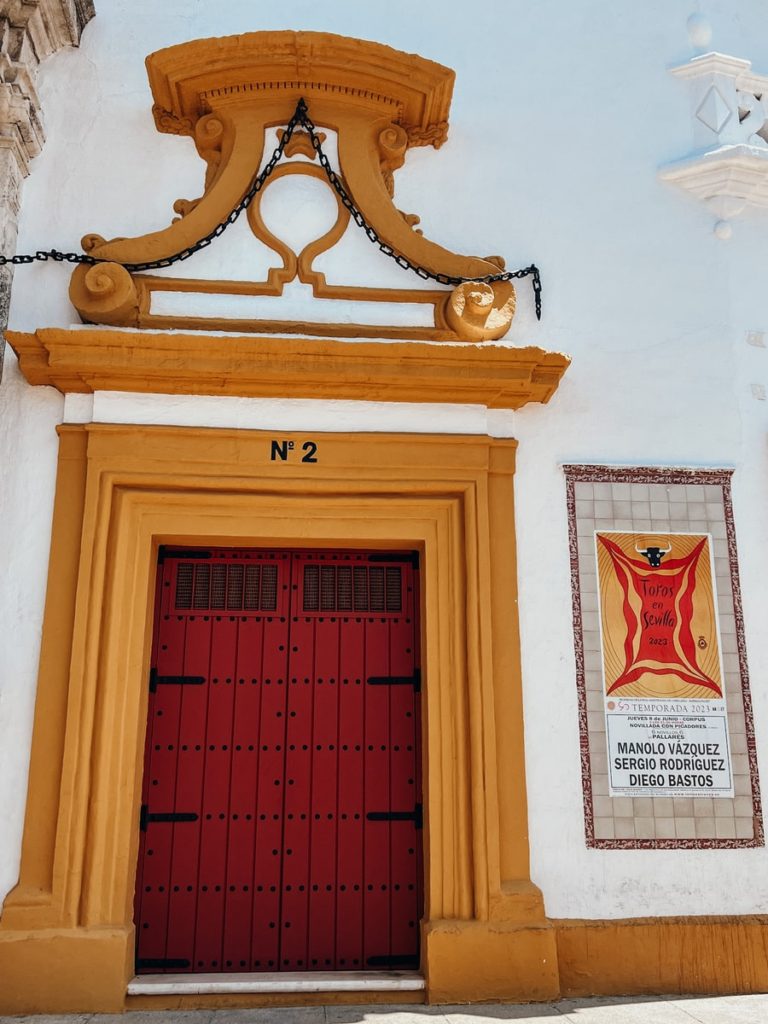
[
  {"x": 393, "y": 145},
  {"x": 105, "y": 294},
  {"x": 210, "y": 139},
  {"x": 368, "y": 154},
  {"x": 210, "y": 136},
  {"x": 472, "y": 310}
]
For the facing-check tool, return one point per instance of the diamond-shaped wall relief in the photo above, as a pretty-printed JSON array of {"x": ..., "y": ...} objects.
[{"x": 713, "y": 111}]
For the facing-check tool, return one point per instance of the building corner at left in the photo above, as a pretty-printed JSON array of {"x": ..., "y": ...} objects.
[{"x": 30, "y": 31}]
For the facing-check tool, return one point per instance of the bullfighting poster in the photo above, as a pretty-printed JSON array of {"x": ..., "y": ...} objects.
[{"x": 665, "y": 711}]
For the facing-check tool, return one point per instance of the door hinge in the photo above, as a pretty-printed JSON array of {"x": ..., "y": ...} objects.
[
  {"x": 145, "y": 818},
  {"x": 414, "y": 680},
  {"x": 416, "y": 816},
  {"x": 155, "y": 680}
]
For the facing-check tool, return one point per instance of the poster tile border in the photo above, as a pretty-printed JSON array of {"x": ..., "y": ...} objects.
[{"x": 593, "y": 473}]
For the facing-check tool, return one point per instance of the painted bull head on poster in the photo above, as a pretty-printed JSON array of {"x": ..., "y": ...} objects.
[{"x": 654, "y": 555}]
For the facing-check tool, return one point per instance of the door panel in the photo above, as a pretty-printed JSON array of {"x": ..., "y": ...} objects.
[{"x": 281, "y": 826}]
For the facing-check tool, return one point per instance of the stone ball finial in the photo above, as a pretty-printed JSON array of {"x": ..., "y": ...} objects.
[{"x": 699, "y": 31}]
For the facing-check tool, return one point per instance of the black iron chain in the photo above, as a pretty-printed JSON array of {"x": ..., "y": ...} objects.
[
  {"x": 300, "y": 119},
  {"x": 402, "y": 261},
  {"x": 168, "y": 261}
]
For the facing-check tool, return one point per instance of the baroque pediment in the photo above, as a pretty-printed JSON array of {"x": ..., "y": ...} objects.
[{"x": 367, "y": 104}]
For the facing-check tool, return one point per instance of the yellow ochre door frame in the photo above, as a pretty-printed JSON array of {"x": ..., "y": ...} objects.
[{"x": 66, "y": 934}]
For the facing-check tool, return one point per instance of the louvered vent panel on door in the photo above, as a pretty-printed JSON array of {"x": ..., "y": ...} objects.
[
  {"x": 353, "y": 588},
  {"x": 233, "y": 587}
]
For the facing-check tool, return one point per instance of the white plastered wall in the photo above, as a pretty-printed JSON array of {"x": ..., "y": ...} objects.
[{"x": 561, "y": 117}]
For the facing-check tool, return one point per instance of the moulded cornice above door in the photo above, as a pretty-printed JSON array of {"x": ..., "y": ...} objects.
[{"x": 104, "y": 359}]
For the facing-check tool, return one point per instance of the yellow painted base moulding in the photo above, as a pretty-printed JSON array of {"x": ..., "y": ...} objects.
[
  {"x": 61, "y": 971},
  {"x": 99, "y": 359},
  {"x": 642, "y": 956},
  {"x": 663, "y": 955}
]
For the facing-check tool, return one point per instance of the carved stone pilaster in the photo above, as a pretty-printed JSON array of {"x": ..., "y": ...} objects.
[{"x": 30, "y": 31}]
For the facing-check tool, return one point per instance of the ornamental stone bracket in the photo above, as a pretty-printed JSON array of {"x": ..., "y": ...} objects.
[
  {"x": 225, "y": 94},
  {"x": 30, "y": 31},
  {"x": 728, "y": 168}
]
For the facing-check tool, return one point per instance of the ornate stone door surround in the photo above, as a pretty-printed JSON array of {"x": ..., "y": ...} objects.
[
  {"x": 67, "y": 933},
  {"x": 66, "y": 936}
]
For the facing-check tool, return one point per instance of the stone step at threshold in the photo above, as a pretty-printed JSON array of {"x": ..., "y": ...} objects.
[{"x": 286, "y": 982}]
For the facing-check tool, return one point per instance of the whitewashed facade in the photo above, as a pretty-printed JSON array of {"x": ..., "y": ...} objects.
[{"x": 565, "y": 122}]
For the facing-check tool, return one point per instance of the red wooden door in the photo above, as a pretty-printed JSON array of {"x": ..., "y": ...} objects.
[{"x": 281, "y": 806}]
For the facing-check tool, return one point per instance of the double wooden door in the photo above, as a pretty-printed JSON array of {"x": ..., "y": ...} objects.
[{"x": 281, "y": 816}]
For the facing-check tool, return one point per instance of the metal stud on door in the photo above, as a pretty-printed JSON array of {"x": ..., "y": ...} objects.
[{"x": 282, "y": 794}]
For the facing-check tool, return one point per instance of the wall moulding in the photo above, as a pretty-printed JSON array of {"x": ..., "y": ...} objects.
[
  {"x": 103, "y": 359},
  {"x": 728, "y": 166},
  {"x": 225, "y": 94}
]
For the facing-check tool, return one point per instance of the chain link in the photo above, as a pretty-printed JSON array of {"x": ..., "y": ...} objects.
[
  {"x": 402, "y": 261},
  {"x": 300, "y": 119}
]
